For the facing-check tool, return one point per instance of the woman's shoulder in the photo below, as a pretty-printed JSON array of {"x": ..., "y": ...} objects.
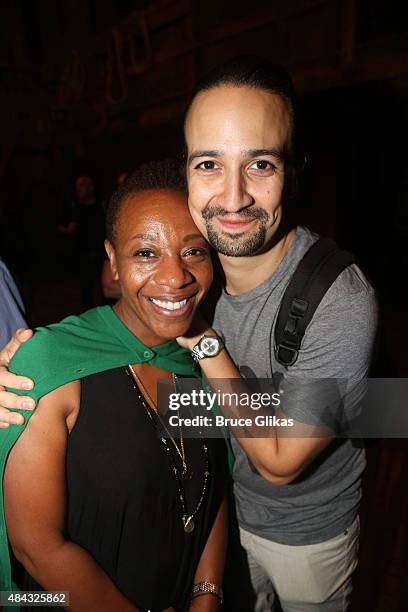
[
  {"x": 60, "y": 405},
  {"x": 58, "y": 350},
  {"x": 57, "y": 336}
]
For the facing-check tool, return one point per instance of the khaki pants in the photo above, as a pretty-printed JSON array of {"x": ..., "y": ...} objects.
[{"x": 312, "y": 578}]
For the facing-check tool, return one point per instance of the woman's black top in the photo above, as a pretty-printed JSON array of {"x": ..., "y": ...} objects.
[{"x": 123, "y": 499}]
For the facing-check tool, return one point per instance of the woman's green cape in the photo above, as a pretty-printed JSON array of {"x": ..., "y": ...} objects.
[{"x": 76, "y": 347}]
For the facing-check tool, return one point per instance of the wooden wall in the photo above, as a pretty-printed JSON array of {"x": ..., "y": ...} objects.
[
  {"x": 77, "y": 69},
  {"x": 100, "y": 86}
]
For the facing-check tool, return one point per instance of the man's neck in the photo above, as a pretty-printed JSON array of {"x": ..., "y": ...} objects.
[{"x": 245, "y": 273}]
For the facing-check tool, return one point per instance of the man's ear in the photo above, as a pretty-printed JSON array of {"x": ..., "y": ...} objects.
[{"x": 112, "y": 258}]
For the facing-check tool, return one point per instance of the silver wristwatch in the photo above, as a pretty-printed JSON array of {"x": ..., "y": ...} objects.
[{"x": 207, "y": 346}]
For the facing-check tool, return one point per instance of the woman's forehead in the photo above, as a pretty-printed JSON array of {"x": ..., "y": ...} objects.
[
  {"x": 154, "y": 211},
  {"x": 164, "y": 200}
]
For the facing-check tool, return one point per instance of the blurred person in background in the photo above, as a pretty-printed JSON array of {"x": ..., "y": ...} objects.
[
  {"x": 85, "y": 221},
  {"x": 110, "y": 286},
  {"x": 121, "y": 178},
  {"x": 12, "y": 311}
]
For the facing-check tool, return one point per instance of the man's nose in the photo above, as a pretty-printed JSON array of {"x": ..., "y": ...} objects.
[
  {"x": 173, "y": 273},
  {"x": 235, "y": 194}
]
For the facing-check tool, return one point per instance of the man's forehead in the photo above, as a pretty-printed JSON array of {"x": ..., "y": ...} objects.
[{"x": 222, "y": 116}]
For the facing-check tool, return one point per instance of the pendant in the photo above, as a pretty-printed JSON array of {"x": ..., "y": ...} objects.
[
  {"x": 186, "y": 474},
  {"x": 188, "y": 524}
]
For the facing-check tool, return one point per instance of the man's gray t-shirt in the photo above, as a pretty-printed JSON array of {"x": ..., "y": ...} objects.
[{"x": 323, "y": 501}]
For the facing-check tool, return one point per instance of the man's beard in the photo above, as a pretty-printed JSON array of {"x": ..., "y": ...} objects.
[{"x": 237, "y": 245}]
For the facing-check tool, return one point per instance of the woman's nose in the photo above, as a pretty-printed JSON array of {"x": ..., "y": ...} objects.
[{"x": 173, "y": 273}]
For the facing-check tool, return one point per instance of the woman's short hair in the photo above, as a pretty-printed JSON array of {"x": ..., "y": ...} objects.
[{"x": 165, "y": 174}]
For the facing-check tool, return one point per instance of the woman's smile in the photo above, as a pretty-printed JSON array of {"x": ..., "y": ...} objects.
[{"x": 172, "y": 306}]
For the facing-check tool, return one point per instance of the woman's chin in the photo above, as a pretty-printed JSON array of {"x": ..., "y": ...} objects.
[{"x": 173, "y": 330}]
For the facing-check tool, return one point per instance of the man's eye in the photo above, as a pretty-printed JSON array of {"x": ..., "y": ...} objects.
[
  {"x": 206, "y": 165},
  {"x": 263, "y": 164}
]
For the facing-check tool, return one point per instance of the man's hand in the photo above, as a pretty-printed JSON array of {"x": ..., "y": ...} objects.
[{"x": 7, "y": 379}]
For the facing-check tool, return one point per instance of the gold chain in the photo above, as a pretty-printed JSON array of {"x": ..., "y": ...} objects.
[{"x": 180, "y": 451}]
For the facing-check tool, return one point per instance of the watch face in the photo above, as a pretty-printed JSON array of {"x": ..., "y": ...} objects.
[{"x": 209, "y": 346}]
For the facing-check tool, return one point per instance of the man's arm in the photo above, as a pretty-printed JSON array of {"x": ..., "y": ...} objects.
[
  {"x": 10, "y": 400},
  {"x": 336, "y": 353},
  {"x": 279, "y": 459},
  {"x": 35, "y": 508}
]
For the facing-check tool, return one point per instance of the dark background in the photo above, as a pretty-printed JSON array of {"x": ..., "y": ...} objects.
[{"x": 96, "y": 87}]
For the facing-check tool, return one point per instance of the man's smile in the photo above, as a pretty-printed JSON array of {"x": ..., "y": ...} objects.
[{"x": 235, "y": 224}]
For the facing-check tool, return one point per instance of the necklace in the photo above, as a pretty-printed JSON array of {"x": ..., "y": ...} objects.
[
  {"x": 186, "y": 473},
  {"x": 187, "y": 519}
]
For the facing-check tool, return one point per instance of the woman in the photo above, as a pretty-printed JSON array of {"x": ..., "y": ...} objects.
[{"x": 96, "y": 503}]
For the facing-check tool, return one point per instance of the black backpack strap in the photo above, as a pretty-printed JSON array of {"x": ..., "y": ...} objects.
[{"x": 315, "y": 273}]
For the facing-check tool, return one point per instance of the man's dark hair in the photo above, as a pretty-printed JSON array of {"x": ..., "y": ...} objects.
[
  {"x": 257, "y": 73},
  {"x": 165, "y": 174}
]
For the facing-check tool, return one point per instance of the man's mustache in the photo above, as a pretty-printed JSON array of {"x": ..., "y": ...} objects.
[{"x": 246, "y": 213}]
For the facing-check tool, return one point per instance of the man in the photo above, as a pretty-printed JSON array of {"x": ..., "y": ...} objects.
[
  {"x": 297, "y": 501},
  {"x": 297, "y": 498}
]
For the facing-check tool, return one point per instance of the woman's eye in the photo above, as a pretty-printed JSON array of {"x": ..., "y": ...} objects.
[
  {"x": 196, "y": 252},
  {"x": 145, "y": 253},
  {"x": 206, "y": 165}
]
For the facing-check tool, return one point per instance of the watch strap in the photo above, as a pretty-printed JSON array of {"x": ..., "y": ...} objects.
[
  {"x": 197, "y": 353},
  {"x": 207, "y": 588}
]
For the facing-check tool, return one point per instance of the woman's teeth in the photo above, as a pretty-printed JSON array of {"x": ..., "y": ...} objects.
[{"x": 169, "y": 305}]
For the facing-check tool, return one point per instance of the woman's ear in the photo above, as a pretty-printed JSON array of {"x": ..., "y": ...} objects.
[{"x": 109, "y": 248}]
